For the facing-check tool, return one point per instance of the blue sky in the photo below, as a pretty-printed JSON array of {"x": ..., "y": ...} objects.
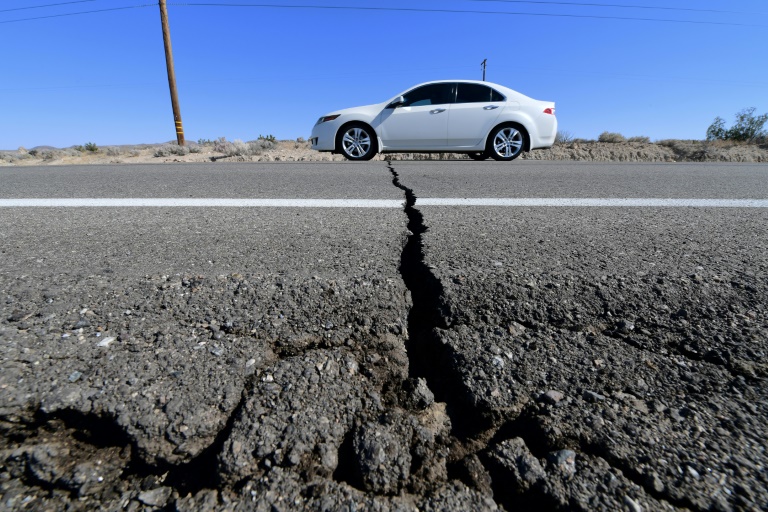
[{"x": 249, "y": 71}]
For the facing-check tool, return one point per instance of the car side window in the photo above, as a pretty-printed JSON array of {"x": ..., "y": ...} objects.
[
  {"x": 432, "y": 94},
  {"x": 477, "y": 93}
]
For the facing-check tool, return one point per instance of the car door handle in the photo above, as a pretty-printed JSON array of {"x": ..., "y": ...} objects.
[
  {"x": 437, "y": 111},
  {"x": 490, "y": 107}
]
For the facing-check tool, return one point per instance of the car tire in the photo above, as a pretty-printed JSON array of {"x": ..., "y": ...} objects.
[
  {"x": 356, "y": 141},
  {"x": 506, "y": 142},
  {"x": 478, "y": 156}
]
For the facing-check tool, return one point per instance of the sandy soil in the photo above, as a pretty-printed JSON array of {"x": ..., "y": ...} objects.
[{"x": 299, "y": 151}]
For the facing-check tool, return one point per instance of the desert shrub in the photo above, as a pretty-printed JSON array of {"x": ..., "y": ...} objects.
[
  {"x": 113, "y": 151},
  {"x": 240, "y": 148},
  {"x": 49, "y": 154},
  {"x": 676, "y": 142},
  {"x": 235, "y": 148},
  {"x": 639, "y": 138},
  {"x": 91, "y": 146},
  {"x": 269, "y": 138},
  {"x": 259, "y": 145},
  {"x": 563, "y": 137},
  {"x": 134, "y": 152},
  {"x": 221, "y": 144},
  {"x": 209, "y": 142},
  {"x": 301, "y": 140},
  {"x": 171, "y": 149},
  {"x": 195, "y": 149},
  {"x": 748, "y": 127},
  {"x": 611, "y": 137}
]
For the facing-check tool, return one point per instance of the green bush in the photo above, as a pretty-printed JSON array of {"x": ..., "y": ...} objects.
[
  {"x": 748, "y": 127},
  {"x": 268, "y": 138},
  {"x": 91, "y": 146}
]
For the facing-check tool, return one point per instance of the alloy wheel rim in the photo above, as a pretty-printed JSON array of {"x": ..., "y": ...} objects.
[
  {"x": 356, "y": 142},
  {"x": 508, "y": 142}
]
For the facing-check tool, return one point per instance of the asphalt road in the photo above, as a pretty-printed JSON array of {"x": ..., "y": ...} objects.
[{"x": 466, "y": 357}]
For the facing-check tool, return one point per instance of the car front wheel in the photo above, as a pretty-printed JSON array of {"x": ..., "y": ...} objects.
[
  {"x": 356, "y": 142},
  {"x": 506, "y": 143}
]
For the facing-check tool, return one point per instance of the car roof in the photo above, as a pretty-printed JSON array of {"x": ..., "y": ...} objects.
[{"x": 506, "y": 90}]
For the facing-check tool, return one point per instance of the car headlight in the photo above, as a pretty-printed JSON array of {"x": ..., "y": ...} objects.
[{"x": 327, "y": 118}]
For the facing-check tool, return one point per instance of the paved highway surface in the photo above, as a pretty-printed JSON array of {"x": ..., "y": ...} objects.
[{"x": 399, "y": 355}]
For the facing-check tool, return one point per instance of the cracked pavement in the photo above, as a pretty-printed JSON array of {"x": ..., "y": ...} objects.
[{"x": 431, "y": 358}]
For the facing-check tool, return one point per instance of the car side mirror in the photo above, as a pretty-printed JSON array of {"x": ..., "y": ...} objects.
[{"x": 397, "y": 102}]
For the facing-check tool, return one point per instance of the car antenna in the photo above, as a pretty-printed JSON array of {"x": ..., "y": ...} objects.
[{"x": 483, "y": 64}]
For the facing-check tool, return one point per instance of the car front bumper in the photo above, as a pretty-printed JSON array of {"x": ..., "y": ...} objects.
[{"x": 323, "y": 136}]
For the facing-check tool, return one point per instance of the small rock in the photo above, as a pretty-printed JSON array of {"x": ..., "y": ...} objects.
[
  {"x": 418, "y": 395},
  {"x": 625, "y": 326},
  {"x": 564, "y": 461},
  {"x": 678, "y": 414},
  {"x": 551, "y": 397},
  {"x": 74, "y": 376},
  {"x": 632, "y": 505},
  {"x": 105, "y": 342},
  {"x": 516, "y": 464},
  {"x": 655, "y": 482},
  {"x": 592, "y": 397},
  {"x": 156, "y": 497}
]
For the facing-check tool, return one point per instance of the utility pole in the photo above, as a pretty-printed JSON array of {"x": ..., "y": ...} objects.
[
  {"x": 483, "y": 64},
  {"x": 171, "y": 73}
]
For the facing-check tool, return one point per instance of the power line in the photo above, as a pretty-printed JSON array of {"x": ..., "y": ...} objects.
[
  {"x": 398, "y": 9},
  {"x": 582, "y": 4},
  {"x": 80, "y": 12},
  {"x": 462, "y": 11},
  {"x": 47, "y": 5}
]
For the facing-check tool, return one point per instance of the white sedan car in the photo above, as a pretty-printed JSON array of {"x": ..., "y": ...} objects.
[{"x": 480, "y": 119}]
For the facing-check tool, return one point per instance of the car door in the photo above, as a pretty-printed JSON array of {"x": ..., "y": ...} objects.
[
  {"x": 474, "y": 113},
  {"x": 421, "y": 121}
]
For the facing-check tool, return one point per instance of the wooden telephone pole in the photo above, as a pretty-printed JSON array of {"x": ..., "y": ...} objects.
[{"x": 171, "y": 73}]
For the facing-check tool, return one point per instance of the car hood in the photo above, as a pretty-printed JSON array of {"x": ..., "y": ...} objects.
[{"x": 370, "y": 110}]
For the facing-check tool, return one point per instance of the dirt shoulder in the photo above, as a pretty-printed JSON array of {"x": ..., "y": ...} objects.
[{"x": 300, "y": 151}]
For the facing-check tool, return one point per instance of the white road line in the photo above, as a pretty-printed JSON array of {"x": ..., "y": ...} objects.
[
  {"x": 198, "y": 202},
  {"x": 379, "y": 203},
  {"x": 591, "y": 202}
]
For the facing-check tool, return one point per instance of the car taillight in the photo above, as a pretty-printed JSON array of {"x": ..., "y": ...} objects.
[{"x": 550, "y": 111}]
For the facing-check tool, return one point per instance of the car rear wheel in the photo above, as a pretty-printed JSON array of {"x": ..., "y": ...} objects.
[
  {"x": 506, "y": 143},
  {"x": 356, "y": 142},
  {"x": 478, "y": 156}
]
